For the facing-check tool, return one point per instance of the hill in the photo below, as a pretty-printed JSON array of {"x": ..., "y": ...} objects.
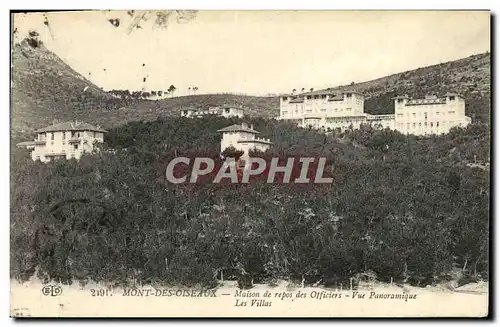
[
  {"x": 402, "y": 206},
  {"x": 471, "y": 77},
  {"x": 45, "y": 88}
]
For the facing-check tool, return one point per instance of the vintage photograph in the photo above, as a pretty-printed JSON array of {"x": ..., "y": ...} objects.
[{"x": 187, "y": 163}]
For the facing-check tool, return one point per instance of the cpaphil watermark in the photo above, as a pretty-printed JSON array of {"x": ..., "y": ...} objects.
[{"x": 302, "y": 170}]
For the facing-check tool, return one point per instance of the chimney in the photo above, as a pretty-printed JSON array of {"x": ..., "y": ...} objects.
[
  {"x": 244, "y": 125},
  {"x": 251, "y": 126}
]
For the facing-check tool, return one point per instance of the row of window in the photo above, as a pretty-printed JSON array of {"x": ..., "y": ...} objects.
[
  {"x": 284, "y": 112},
  {"x": 73, "y": 135},
  {"x": 425, "y": 124},
  {"x": 452, "y": 98},
  {"x": 420, "y": 114},
  {"x": 317, "y": 96}
]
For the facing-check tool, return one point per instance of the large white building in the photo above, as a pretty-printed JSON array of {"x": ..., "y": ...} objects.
[
  {"x": 64, "y": 141},
  {"x": 431, "y": 115},
  {"x": 328, "y": 110},
  {"x": 223, "y": 111},
  {"x": 244, "y": 138}
]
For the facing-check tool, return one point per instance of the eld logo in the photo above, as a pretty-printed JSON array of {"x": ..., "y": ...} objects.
[{"x": 50, "y": 290}]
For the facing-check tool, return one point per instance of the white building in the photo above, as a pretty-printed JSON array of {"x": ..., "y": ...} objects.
[
  {"x": 64, "y": 141},
  {"x": 328, "y": 110},
  {"x": 224, "y": 111},
  {"x": 431, "y": 115},
  {"x": 244, "y": 138}
]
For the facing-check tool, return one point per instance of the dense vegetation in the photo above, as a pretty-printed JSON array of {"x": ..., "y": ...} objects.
[{"x": 404, "y": 207}]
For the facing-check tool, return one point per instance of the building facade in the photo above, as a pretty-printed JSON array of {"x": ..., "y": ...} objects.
[
  {"x": 224, "y": 111},
  {"x": 326, "y": 110},
  {"x": 244, "y": 138},
  {"x": 64, "y": 141},
  {"x": 431, "y": 115}
]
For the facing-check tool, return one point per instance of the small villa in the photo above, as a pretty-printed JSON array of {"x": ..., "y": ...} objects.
[
  {"x": 244, "y": 138},
  {"x": 64, "y": 141}
]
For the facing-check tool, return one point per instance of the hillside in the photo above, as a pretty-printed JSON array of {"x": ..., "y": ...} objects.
[
  {"x": 45, "y": 88},
  {"x": 469, "y": 76},
  {"x": 405, "y": 207}
]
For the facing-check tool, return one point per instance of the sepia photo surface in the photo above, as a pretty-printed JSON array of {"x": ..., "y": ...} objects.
[{"x": 185, "y": 163}]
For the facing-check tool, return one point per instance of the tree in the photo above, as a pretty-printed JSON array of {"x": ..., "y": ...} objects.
[{"x": 171, "y": 89}]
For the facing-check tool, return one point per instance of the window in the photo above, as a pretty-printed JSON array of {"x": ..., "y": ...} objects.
[
  {"x": 283, "y": 113},
  {"x": 336, "y": 109},
  {"x": 348, "y": 95},
  {"x": 419, "y": 124},
  {"x": 437, "y": 113},
  {"x": 285, "y": 98},
  {"x": 52, "y": 136},
  {"x": 316, "y": 96},
  {"x": 323, "y": 96},
  {"x": 309, "y": 97},
  {"x": 323, "y": 109},
  {"x": 432, "y": 124},
  {"x": 451, "y": 112},
  {"x": 348, "y": 109},
  {"x": 452, "y": 98},
  {"x": 64, "y": 135},
  {"x": 400, "y": 100},
  {"x": 75, "y": 146},
  {"x": 437, "y": 124},
  {"x": 425, "y": 124},
  {"x": 413, "y": 125},
  {"x": 414, "y": 115},
  {"x": 37, "y": 157},
  {"x": 72, "y": 156},
  {"x": 425, "y": 114},
  {"x": 408, "y": 125}
]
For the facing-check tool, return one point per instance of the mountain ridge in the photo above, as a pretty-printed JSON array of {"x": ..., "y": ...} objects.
[{"x": 45, "y": 88}]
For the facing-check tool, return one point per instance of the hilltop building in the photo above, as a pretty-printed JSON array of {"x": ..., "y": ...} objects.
[
  {"x": 244, "y": 138},
  {"x": 64, "y": 141},
  {"x": 431, "y": 115},
  {"x": 223, "y": 111},
  {"x": 328, "y": 110}
]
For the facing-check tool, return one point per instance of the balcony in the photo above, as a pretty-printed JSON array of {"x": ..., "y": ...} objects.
[{"x": 74, "y": 140}]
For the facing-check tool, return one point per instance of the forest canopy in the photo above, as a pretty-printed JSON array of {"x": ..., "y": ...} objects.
[{"x": 405, "y": 207}]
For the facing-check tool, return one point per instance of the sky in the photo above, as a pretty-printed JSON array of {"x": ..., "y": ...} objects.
[{"x": 258, "y": 52}]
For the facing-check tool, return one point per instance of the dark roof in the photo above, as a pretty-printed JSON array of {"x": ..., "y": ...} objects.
[
  {"x": 296, "y": 100},
  {"x": 336, "y": 97},
  {"x": 238, "y": 128},
  {"x": 71, "y": 126}
]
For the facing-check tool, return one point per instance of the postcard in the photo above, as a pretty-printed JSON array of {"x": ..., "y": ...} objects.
[{"x": 186, "y": 163}]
